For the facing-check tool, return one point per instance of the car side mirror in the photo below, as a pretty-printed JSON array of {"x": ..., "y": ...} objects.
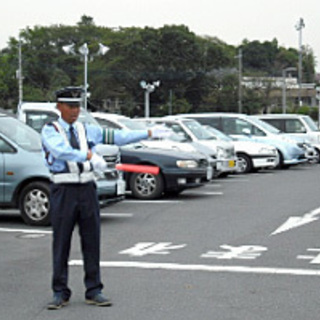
[{"x": 246, "y": 131}]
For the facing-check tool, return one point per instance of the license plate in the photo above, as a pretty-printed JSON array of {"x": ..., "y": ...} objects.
[
  {"x": 121, "y": 187},
  {"x": 232, "y": 163}
]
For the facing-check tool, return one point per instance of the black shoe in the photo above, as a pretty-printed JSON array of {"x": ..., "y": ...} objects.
[
  {"x": 57, "y": 303},
  {"x": 99, "y": 300}
]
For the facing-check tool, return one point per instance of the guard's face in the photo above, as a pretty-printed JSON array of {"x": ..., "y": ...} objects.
[{"x": 69, "y": 113}]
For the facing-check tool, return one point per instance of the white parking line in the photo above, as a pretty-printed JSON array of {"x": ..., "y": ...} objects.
[
  {"x": 153, "y": 201},
  {"x": 205, "y": 268},
  {"x": 116, "y": 215},
  {"x": 25, "y": 230}
]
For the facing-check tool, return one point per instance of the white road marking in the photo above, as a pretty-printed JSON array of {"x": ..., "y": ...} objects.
[
  {"x": 116, "y": 215},
  {"x": 235, "y": 180},
  {"x": 212, "y": 185},
  {"x": 294, "y": 222},
  {"x": 25, "y": 230},
  {"x": 153, "y": 201},
  {"x": 205, "y": 268},
  {"x": 213, "y": 193},
  {"x": 208, "y": 193}
]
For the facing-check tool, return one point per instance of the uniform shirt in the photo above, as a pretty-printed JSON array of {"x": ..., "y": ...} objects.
[{"x": 60, "y": 151}]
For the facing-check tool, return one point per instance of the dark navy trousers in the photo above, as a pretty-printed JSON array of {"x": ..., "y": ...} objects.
[{"x": 70, "y": 205}]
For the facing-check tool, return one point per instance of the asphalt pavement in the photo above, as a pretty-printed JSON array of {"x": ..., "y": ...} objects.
[{"x": 241, "y": 247}]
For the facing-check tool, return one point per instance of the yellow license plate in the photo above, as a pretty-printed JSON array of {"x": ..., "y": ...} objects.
[{"x": 232, "y": 163}]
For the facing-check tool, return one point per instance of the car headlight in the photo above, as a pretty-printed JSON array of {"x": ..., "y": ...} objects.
[
  {"x": 187, "y": 164},
  {"x": 221, "y": 153}
]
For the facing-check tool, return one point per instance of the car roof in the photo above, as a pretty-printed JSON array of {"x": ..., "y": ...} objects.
[
  {"x": 111, "y": 116},
  {"x": 38, "y": 105},
  {"x": 281, "y": 115},
  {"x": 211, "y": 114}
]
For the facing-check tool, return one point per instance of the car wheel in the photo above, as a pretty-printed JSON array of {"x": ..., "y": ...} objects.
[
  {"x": 244, "y": 163},
  {"x": 280, "y": 161},
  {"x": 146, "y": 186},
  {"x": 316, "y": 159},
  {"x": 34, "y": 204}
]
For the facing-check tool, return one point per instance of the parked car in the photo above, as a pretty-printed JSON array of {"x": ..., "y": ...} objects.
[
  {"x": 296, "y": 125},
  {"x": 24, "y": 178},
  {"x": 37, "y": 114},
  {"x": 190, "y": 131},
  {"x": 116, "y": 121},
  {"x": 251, "y": 155},
  {"x": 244, "y": 127},
  {"x": 178, "y": 171}
]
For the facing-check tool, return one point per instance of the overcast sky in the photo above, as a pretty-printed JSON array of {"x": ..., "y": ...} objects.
[{"x": 229, "y": 20}]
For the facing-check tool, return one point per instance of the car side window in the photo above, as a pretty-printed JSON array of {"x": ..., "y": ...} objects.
[
  {"x": 235, "y": 126},
  {"x": 213, "y": 122},
  {"x": 5, "y": 147},
  {"x": 257, "y": 132},
  {"x": 277, "y": 123},
  {"x": 37, "y": 119},
  {"x": 294, "y": 126}
]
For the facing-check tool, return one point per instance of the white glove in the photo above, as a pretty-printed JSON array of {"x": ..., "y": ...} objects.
[
  {"x": 98, "y": 163},
  {"x": 160, "y": 131}
]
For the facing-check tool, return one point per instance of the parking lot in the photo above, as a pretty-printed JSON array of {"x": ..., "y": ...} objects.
[{"x": 241, "y": 247}]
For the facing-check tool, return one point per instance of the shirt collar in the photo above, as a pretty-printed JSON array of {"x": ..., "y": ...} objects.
[{"x": 65, "y": 125}]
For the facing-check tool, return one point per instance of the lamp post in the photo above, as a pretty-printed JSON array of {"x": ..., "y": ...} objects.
[
  {"x": 239, "y": 57},
  {"x": 284, "y": 87},
  {"x": 84, "y": 51},
  {"x": 148, "y": 87},
  {"x": 299, "y": 26},
  {"x": 20, "y": 76}
]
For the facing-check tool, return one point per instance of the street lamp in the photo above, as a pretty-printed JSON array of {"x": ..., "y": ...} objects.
[
  {"x": 239, "y": 57},
  {"x": 284, "y": 87},
  {"x": 84, "y": 51},
  {"x": 300, "y": 24},
  {"x": 148, "y": 87}
]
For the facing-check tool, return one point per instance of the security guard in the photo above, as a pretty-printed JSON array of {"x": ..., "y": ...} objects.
[{"x": 69, "y": 154}]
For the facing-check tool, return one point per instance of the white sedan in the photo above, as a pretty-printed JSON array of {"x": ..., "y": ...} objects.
[{"x": 251, "y": 155}]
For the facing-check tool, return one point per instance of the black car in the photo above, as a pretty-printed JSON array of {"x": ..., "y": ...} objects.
[{"x": 178, "y": 171}]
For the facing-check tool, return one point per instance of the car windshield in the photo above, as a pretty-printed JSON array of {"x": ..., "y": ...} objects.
[
  {"x": 265, "y": 125},
  {"x": 218, "y": 134},
  {"x": 198, "y": 130},
  {"x": 133, "y": 125},
  {"x": 311, "y": 124},
  {"x": 20, "y": 133}
]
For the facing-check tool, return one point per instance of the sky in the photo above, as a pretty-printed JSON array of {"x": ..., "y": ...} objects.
[{"x": 231, "y": 21}]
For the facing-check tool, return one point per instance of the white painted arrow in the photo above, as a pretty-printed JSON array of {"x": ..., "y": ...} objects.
[{"x": 294, "y": 222}]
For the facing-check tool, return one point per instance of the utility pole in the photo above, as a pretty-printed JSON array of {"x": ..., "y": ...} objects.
[
  {"x": 299, "y": 26},
  {"x": 239, "y": 57},
  {"x": 19, "y": 76}
]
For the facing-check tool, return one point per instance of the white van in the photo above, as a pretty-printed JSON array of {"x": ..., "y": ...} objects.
[{"x": 37, "y": 114}]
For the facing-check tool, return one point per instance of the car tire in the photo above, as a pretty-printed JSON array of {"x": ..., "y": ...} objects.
[
  {"x": 244, "y": 163},
  {"x": 317, "y": 157},
  {"x": 34, "y": 204},
  {"x": 280, "y": 164},
  {"x": 146, "y": 186}
]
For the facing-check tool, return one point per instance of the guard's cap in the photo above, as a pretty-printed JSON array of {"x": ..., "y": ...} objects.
[{"x": 70, "y": 95}]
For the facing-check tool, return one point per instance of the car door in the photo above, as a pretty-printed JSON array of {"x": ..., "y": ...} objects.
[{"x": 5, "y": 148}]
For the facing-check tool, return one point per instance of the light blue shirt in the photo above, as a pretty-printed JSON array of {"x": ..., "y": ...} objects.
[{"x": 58, "y": 151}]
